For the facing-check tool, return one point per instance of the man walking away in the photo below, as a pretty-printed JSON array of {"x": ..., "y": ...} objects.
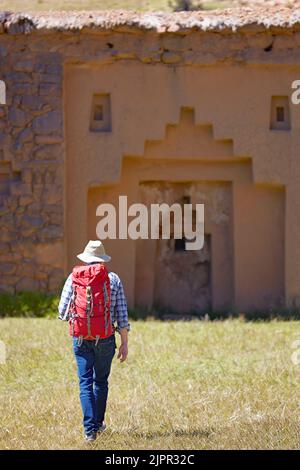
[{"x": 94, "y": 303}]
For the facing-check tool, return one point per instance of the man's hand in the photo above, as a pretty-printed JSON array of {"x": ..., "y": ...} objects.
[
  {"x": 123, "y": 349},
  {"x": 123, "y": 352}
]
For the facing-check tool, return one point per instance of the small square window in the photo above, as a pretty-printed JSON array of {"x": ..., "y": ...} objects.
[
  {"x": 100, "y": 120},
  {"x": 280, "y": 113}
]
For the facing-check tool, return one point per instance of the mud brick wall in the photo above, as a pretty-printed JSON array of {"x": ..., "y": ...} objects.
[{"x": 34, "y": 51}]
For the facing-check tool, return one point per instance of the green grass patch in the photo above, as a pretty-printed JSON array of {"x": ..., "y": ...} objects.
[{"x": 28, "y": 304}]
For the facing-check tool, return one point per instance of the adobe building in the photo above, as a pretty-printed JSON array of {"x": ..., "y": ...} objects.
[{"x": 162, "y": 108}]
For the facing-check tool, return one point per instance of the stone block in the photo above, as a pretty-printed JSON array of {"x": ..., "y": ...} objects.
[
  {"x": 33, "y": 102},
  {"x": 53, "y": 209},
  {"x": 8, "y": 268},
  {"x": 24, "y": 65},
  {"x": 25, "y": 135},
  {"x": 9, "y": 257},
  {"x": 52, "y": 232},
  {"x": 48, "y": 57},
  {"x": 3, "y": 51},
  {"x": 27, "y": 176},
  {"x": 19, "y": 77},
  {"x": 3, "y": 210},
  {"x": 6, "y": 288},
  {"x": 20, "y": 189},
  {"x": 38, "y": 190},
  {"x": 56, "y": 219},
  {"x": 35, "y": 209},
  {"x": 55, "y": 282},
  {"x": 4, "y": 247},
  {"x": 27, "y": 284},
  {"x": 24, "y": 88},
  {"x": 3, "y": 136},
  {"x": 33, "y": 221},
  {"x": 47, "y": 152},
  {"x": 48, "y": 139},
  {"x": 27, "y": 231},
  {"x": 51, "y": 254},
  {"x": 51, "y": 195},
  {"x": 50, "y": 89},
  {"x": 41, "y": 275},
  {"x": 18, "y": 117},
  {"x": 26, "y": 200},
  {"x": 23, "y": 247},
  {"x": 20, "y": 210},
  {"x": 27, "y": 269},
  {"x": 49, "y": 77},
  {"x": 50, "y": 122},
  {"x": 4, "y": 235},
  {"x": 169, "y": 57},
  {"x": 54, "y": 68},
  {"x": 21, "y": 27}
]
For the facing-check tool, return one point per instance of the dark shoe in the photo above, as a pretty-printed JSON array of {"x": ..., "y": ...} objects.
[
  {"x": 90, "y": 437},
  {"x": 102, "y": 428}
]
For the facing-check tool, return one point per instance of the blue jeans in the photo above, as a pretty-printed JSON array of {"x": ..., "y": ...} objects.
[{"x": 93, "y": 364}]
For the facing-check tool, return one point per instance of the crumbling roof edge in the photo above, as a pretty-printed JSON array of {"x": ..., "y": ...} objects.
[{"x": 234, "y": 19}]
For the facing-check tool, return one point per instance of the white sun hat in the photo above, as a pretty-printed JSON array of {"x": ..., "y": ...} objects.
[{"x": 94, "y": 252}]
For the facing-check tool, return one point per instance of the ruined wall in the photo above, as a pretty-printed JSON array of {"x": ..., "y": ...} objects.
[
  {"x": 246, "y": 253},
  {"x": 182, "y": 279},
  {"x": 228, "y": 73},
  {"x": 233, "y": 103},
  {"x": 31, "y": 166}
]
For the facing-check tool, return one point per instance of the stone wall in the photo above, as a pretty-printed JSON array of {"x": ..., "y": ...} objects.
[{"x": 31, "y": 166}]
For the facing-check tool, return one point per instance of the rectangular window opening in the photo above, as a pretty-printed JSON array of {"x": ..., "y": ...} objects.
[
  {"x": 280, "y": 114},
  {"x": 280, "y": 118},
  {"x": 100, "y": 117},
  {"x": 98, "y": 113}
]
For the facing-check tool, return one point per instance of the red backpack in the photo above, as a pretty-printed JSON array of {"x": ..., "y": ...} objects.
[{"x": 90, "y": 304}]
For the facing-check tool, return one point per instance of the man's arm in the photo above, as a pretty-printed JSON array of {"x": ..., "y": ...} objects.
[
  {"x": 65, "y": 300},
  {"x": 122, "y": 321},
  {"x": 123, "y": 349}
]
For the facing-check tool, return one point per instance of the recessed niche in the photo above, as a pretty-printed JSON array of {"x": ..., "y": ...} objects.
[
  {"x": 280, "y": 113},
  {"x": 100, "y": 120}
]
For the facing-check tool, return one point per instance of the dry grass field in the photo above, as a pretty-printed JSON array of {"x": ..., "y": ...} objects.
[
  {"x": 138, "y": 5},
  {"x": 186, "y": 385}
]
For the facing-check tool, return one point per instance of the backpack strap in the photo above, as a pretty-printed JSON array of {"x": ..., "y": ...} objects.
[
  {"x": 72, "y": 308},
  {"x": 106, "y": 304},
  {"x": 89, "y": 307}
]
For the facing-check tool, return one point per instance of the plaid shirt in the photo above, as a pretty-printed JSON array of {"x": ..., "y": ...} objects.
[{"x": 118, "y": 304}]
